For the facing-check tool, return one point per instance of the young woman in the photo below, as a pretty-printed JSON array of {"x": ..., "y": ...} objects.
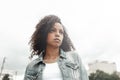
[{"x": 56, "y": 58}]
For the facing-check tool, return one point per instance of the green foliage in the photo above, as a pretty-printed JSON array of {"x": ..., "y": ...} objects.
[
  {"x": 114, "y": 76},
  {"x": 100, "y": 75},
  {"x": 6, "y": 77}
]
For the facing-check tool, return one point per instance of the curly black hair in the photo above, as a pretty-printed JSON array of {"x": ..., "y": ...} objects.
[{"x": 38, "y": 39}]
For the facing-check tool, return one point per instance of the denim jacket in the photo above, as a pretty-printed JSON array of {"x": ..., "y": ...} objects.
[{"x": 69, "y": 63}]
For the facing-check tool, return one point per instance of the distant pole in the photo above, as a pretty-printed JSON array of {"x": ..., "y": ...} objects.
[
  {"x": 15, "y": 74},
  {"x": 2, "y": 67}
]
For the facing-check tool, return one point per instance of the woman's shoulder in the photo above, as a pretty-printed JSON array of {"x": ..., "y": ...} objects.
[
  {"x": 33, "y": 62},
  {"x": 73, "y": 55}
]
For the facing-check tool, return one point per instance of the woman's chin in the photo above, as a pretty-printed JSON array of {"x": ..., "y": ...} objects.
[{"x": 56, "y": 46}]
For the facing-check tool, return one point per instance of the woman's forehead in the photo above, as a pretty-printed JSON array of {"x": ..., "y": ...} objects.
[{"x": 57, "y": 26}]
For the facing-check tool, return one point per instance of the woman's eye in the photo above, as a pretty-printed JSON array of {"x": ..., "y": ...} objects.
[
  {"x": 61, "y": 32},
  {"x": 52, "y": 30}
]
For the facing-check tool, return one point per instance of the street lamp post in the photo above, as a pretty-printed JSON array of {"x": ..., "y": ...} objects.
[{"x": 2, "y": 67}]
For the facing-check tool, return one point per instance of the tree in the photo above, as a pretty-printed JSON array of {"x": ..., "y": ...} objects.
[
  {"x": 100, "y": 75},
  {"x": 114, "y": 76},
  {"x": 6, "y": 77}
]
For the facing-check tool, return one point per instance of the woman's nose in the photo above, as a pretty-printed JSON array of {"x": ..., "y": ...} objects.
[{"x": 57, "y": 34}]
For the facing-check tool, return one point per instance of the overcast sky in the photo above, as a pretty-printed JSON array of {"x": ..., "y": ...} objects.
[{"x": 93, "y": 25}]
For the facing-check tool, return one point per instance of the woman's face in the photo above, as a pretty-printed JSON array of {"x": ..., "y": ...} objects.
[{"x": 55, "y": 35}]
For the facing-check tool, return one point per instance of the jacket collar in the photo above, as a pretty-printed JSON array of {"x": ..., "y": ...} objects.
[
  {"x": 62, "y": 55},
  {"x": 40, "y": 57}
]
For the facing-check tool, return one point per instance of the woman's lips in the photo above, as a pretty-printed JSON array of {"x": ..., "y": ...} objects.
[{"x": 57, "y": 40}]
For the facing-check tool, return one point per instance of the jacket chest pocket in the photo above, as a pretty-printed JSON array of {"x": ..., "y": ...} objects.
[
  {"x": 34, "y": 75},
  {"x": 31, "y": 74},
  {"x": 74, "y": 70}
]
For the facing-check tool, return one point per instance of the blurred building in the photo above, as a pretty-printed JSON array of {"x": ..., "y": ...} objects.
[{"x": 103, "y": 66}]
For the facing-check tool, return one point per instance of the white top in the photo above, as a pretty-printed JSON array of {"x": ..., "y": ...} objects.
[{"x": 52, "y": 72}]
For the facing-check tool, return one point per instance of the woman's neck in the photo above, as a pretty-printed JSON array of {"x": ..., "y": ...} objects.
[{"x": 51, "y": 55}]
